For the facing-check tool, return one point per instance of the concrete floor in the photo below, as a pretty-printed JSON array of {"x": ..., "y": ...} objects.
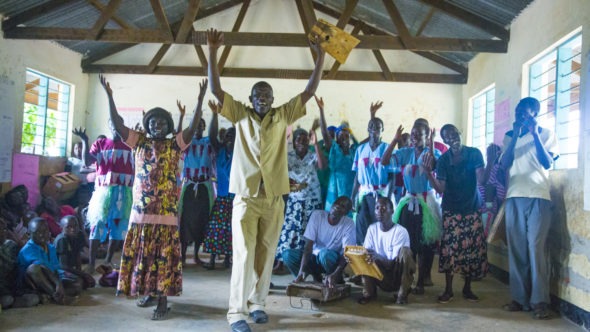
[{"x": 203, "y": 306}]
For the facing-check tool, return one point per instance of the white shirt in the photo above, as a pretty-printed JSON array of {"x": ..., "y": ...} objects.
[
  {"x": 528, "y": 178},
  {"x": 326, "y": 236},
  {"x": 386, "y": 244}
]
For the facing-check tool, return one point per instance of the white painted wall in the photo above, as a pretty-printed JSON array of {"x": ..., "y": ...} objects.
[
  {"x": 48, "y": 58},
  {"x": 538, "y": 27}
]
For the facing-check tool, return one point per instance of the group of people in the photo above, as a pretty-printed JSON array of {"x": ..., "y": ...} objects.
[{"x": 248, "y": 196}]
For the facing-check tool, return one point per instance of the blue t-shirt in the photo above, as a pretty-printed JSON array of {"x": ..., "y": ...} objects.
[
  {"x": 223, "y": 169},
  {"x": 198, "y": 159},
  {"x": 371, "y": 174},
  {"x": 33, "y": 253},
  {"x": 461, "y": 195},
  {"x": 415, "y": 181}
]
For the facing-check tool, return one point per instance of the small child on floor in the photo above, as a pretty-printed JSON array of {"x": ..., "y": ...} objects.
[
  {"x": 68, "y": 245},
  {"x": 39, "y": 267}
]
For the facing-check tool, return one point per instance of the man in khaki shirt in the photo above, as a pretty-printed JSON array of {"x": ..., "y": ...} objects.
[{"x": 259, "y": 178}]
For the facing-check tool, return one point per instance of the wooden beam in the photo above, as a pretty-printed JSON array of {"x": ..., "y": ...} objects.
[
  {"x": 158, "y": 57},
  {"x": 470, "y": 18},
  {"x": 346, "y": 13},
  {"x": 190, "y": 15},
  {"x": 369, "y": 29},
  {"x": 236, "y": 28},
  {"x": 355, "y": 31},
  {"x": 383, "y": 42},
  {"x": 97, "y": 29},
  {"x": 308, "y": 19},
  {"x": 279, "y": 74},
  {"x": 203, "y": 13},
  {"x": 162, "y": 19},
  {"x": 444, "y": 62},
  {"x": 398, "y": 21},
  {"x": 202, "y": 57},
  {"x": 383, "y": 65},
  {"x": 121, "y": 22},
  {"x": 106, "y": 52},
  {"x": 425, "y": 22},
  {"x": 32, "y": 13}
]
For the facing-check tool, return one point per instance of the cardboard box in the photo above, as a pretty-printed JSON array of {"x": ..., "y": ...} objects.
[
  {"x": 61, "y": 186},
  {"x": 51, "y": 165}
]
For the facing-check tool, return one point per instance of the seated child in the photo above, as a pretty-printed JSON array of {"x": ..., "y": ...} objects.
[
  {"x": 39, "y": 267},
  {"x": 10, "y": 296},
  {"x": 68, "y": 245},
  {"x": 50, "y": 210}
]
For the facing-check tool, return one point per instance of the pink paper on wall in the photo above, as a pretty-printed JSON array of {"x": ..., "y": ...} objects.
[
  {"x": 25, "y": 170},
  {"x": 502, "y": 120}
]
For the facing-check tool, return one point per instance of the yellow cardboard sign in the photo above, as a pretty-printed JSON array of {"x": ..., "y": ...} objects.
[{"x": 334, "y": 40}]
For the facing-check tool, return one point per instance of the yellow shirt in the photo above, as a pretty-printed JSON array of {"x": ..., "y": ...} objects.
[{"x": 260, "y": 150}]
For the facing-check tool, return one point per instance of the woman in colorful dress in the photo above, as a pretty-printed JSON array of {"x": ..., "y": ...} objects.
[
  {"x": 340, "y": 159},
  {"x": 305, "y": 195},
  {"x": 218, "y": 239},
  {"x": 463, "y": 245},
  {"x": 151, "y": 264}
]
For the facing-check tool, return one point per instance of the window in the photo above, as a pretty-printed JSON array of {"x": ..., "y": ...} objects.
[
  {"x": 554, "y": 79},
  {"x": 482, "y": 119},
  {"x": 45, "y": 117}
]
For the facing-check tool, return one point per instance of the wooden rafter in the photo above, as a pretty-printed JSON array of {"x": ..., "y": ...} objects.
[
  {"x": 425, "y": 22},
  {"x": 431, "y": 56},
  {"x": 162, "y": 19},
  {"x": 236, "y": 28},
  {"x": 279, "y": 73},
  {"x": 33, "y": 13},
  {"x": 346, "y": 13},
  {"x": 384, "y": 42},
  {"x": 383, "y": 65},
  {"x": 308, "y": 18},
  {"x": 201, "y": 14},
  {"x": 120, "y": 22},
  {"x": 400, "y": 26},
  {"x": 202, "y": 57},
  {"x": 186, "y": 26},
  {"x": 158, "y": 57},
  {"x": 355, "y": 31},
  {"x": 470, "y": 18},
  {"x": 107, "y": 13}
]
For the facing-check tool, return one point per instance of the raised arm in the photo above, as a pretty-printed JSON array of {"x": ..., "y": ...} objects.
[
  {"x": 116, "y": 119},
  {"x": 182, "y": 110},
  {"x": 323, "y": 127},
  {"x": 428, "y": 164},
  {"x": 87, "y": 158},
  {"x": 316, "y": 75},
  {"x": 386, "y": 158},
  {"x": 313, "y": 139},
  {"x": 375, "y": 107},
  {"x": 215, "y": 40},
  {"x": 214, "y": 126},
  {"x": 189, "y": 132}
]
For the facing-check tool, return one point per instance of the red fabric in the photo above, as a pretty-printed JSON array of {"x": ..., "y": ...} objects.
[{"x": 54, "y": 226}]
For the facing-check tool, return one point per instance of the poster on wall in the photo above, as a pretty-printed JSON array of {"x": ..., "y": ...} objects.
[
  {"x": 27, "y": 174},
  {"x": 502, "y": 120}
]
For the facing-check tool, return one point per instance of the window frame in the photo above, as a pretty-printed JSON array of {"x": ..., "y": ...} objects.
[{"x": 489, "y": 118}]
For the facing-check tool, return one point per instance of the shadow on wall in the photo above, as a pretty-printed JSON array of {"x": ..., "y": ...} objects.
[{"x": 559, "y": 240}]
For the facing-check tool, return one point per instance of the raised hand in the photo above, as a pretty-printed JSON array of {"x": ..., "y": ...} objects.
[
  {"x": 313, "y": 138},
  {"x": 214, "y": 38},
  {"x": 138, "y": 127},
  {"x": 315, "y": 45},
  {"x": 427, "y": 161},
  {"x": 203, "y": 89},
  {"x": 492, "y": 152},
  {"x": 215, "y": 107},
  {"x": 105, "y": 85},
  {"x": 181, "y": 107},
  {"x": 398, "y": 133},
  {"x": 319, "y": 101},
  {"x": 80, "y": 132},
  {"x": 315, "y": 125},
  {"x": 375, "y": 107},
  {"x": 430, "y": 140}
]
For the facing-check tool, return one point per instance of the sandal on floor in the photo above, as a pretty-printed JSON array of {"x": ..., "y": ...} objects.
[
  {"x": 512, "y": 306},
  {"x": 469, "y": 296},
  {"x": 146, "y": 301},
  {"x": 445, "y": 297},
  {"x": 541, "y": 312},
  {"x": 159, "y": 315},
  {"x": 364, "y": 300}
]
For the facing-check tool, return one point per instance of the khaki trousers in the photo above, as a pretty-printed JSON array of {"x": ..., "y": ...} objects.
[
  {"x": 256, "y": 227},
  {"x": 398, "y": 279}
]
